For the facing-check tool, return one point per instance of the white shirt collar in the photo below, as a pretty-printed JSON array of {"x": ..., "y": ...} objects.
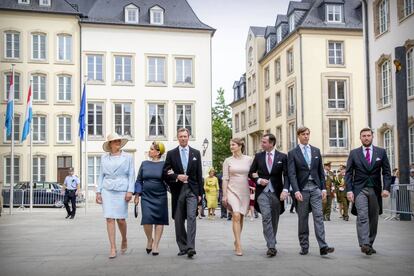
[
  {"x": 303, "y": 146},
  {"x": 272, "y": 152},
  {"x": 371, "y": 148},
  {"x": 187, "y": 148}
]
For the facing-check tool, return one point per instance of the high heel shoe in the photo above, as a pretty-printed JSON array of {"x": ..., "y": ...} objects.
[
  {"x": 155, "y": 253},
  {"x": 124, "y": 249},
  {"x": 148, "y": 250},
  {"x": 112, "y": 256}
]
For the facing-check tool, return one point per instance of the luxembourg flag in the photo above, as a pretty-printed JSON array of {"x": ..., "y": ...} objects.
[
  {"x": 29, "y": 115},
  {"x": 10, "y": 107}
]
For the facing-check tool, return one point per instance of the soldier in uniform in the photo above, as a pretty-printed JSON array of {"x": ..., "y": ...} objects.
[
  {"x": 341, "y": 193},
  {"x": 329, "y": 182},
  {"x": 71, "y": 188}
]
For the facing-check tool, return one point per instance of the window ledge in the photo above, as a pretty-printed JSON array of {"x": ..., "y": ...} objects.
[
  {"x": 63, "y": 62},
  {"x": 156, "y": 84},
  {"x": 379, "y": 35},
  {"x": 38, "y": 61},
  {"x": 123, "y": 83},
  {"x": 64, "y": 143},
  {"x": 401, "y": 20},
  {"x": 64, "y": 103},
  {"x": 336, "y": 65},
  {"x": 158, "y": 138},
  {"x": 40, "y": 103},
  {"x": 383, "y": 107},
  {"x": 184, "y": 85},
  {"x": 12, "y": 60},
  {"x": 95, "y": 82},
  {"x": 95, "y": 138}
]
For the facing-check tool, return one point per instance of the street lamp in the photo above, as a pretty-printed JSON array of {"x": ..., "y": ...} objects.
[{"x": 205, "y": 146}]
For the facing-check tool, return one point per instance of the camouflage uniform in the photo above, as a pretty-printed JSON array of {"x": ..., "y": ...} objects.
[
  {"x": 327, "y": 203},
  {"x": 341, "y": 195}
]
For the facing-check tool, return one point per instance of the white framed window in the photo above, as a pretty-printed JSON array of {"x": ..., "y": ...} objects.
[
  {"x": 184, "y": 117},
  {"x": 7, "y": 79},
  {"x": 243, "y": 120},
  {"x": 289, "y": 60},
  {"x": 39, "y": 87},
  {"x": 64, "y": 129},
  {"x": 250, "y": 116},
  {"x": 279, "y": 34},
  {"x": 95, "y": 67},
  {"x": 39, "y": 129},
  {"x": 291, "y": 100},
  {"x": 131, "y": 14},
  {"x": 411, "y": 142},
  {"x": 123, "y": 119},
  {"x": 237, "y": 122},
  {"x": 277, "y": 70},
  {"x": 39, "y": 168},
  {"x": 123, "y": 68},
  {"x": 267, "y": 77},
  {"x": 45, "y": 3},
  {"x": 385, "y": 83},
  {"x": 383, "y": 16},
  {"x": 157, "y": 15},
  {"x": 291, "y": 22},
  {"x": 254, "y": 82},
  {"x": 184, "y": 71},
  {"x": 64, "y": 49},
  {"x": 12, "y": 44},
  {"x": 388, "y": 138},
  {"x": 292, "y": 135},
  {"x": 338, "y": 134},
  {"x": 16, "y": 130},
  {"x": 410, "y": 72},
  {"x": 157, "y": 120},
  {"x": 64, "y": 88},
  {"x": 334, "y": 13},
  {"x": 336, "y": 94},
  {"x": 268, "y": 45},
  {"x": 278, "y": 104},
  {"x": 254, "y": 110},
  {"x": 156, "y": 70},
  {"x": 95, "y": 119},
  {"x": 26, "y": 2},
  {"x": 278, "y": 135},
  {"x": 267, "y": 109},
  {"x": 336, "y": 52},
  {"x": 94, "y": 169},
  {"x": 7, "y": 173},
  {"x": 38, "y": 46},
  {"x": 408, "y": 7}
]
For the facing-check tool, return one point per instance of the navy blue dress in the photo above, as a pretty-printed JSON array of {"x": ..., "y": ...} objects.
[{"x": 154, "y": 202}]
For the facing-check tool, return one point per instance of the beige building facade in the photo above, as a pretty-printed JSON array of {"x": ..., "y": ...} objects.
[{"x": 44, "y": 49}]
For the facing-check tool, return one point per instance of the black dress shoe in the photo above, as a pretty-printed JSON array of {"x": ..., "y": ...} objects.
[
  {"x": 346, "y": 218},
  {"x": 182, "y": 253},
  {"x": 366, "y": 249},
  {"x": 191, "y": 253},
  {"x": 373, "y": 251},
  {"x": 328, "y": 218},
  {"x": 72, "y": 217},
  {"x": 271, "y": 252},
  {"x": 304, "y": 251},
  {"x": 325, "y": 250},
  {"x": 67, "y": 216}
]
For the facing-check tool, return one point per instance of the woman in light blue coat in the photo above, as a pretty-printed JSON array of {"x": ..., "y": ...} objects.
[{"x": 115, "y": 187}]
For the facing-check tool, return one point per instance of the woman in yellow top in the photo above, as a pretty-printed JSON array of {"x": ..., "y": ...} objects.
[{"x": 211, "y": 188}]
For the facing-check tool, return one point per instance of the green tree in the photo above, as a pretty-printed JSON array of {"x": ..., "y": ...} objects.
[{"x": 221, "y": 131}]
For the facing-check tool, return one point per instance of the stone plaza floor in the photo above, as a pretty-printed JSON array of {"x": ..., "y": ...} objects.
[{"x": 43, "y": 242}]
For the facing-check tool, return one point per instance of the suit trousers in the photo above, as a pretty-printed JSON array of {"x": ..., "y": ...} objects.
[
  {"x": 70, "y": 195},
  {"x": 312, "y": 201},
  {"x": 270, "y": 208},
  {"x": 367, "y": 207},
  {"x": 186, "y": 209}
]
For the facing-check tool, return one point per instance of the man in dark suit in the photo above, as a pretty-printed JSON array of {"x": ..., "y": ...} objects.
[
  {"x": 363, "y": 184},
  {"x": 269, "y": 171},
  {"x": 183, "y": 170},
  {"x": 307, "y": 178}
]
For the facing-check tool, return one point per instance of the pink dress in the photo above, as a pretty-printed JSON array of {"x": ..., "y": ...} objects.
[{"x": 235, "y": 174}]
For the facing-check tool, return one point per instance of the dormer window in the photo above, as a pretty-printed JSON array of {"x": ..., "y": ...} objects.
[
  {"x": 131, "y": 14},
  {"x": 334, "y": 13},
  {"x": 279, "y": 34},
  {"x": 26, "y": 2},
  {"x": 291, "y": 22},
  {"x": 45, "y": 3},
  {"x": 157, "y": 15},
  {"x": 268, "y": 44}
]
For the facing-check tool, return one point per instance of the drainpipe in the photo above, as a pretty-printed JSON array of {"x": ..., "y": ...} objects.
[
  {"x": 301, "y": 87},
  {"x": 365, "y": 4}
]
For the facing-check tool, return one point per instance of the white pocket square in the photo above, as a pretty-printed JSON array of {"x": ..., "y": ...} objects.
[
  {"x": 279, "y": 162},
  {"x": 378, "y": 159},
  {"x": 194, "y": 158},
  {"x": 316, "y": 157}
]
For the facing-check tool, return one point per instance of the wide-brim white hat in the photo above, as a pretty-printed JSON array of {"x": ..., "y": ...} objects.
[{"x": 113, "y": 137}]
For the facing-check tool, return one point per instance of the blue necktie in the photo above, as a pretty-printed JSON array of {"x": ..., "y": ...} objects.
[
  {"x": 306, "y": 155},
  {"x": 184, "y": 160}
]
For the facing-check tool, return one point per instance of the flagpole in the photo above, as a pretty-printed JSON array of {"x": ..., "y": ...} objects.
[
  {"x": 31, "y": 159},
  {"x": 85, "y": 177},
  {"x": 11, "y": 200}
]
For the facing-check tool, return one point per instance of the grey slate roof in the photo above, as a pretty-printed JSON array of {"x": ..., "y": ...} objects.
[
  {"x": 258, "y": 31},
  {"x": 298, "y": 6},
  {"x": 270, "y": 30},
  {"x": 57, "y": 6},
  {"x": 281, "y": 18},
  {"x": 178, "y": 13}
]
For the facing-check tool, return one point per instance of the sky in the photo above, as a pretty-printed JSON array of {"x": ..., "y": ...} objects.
[{"x": 232, "y": 19}]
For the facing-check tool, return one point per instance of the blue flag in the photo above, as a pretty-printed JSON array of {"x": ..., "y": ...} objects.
[{"x": 81, "y": 120}]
